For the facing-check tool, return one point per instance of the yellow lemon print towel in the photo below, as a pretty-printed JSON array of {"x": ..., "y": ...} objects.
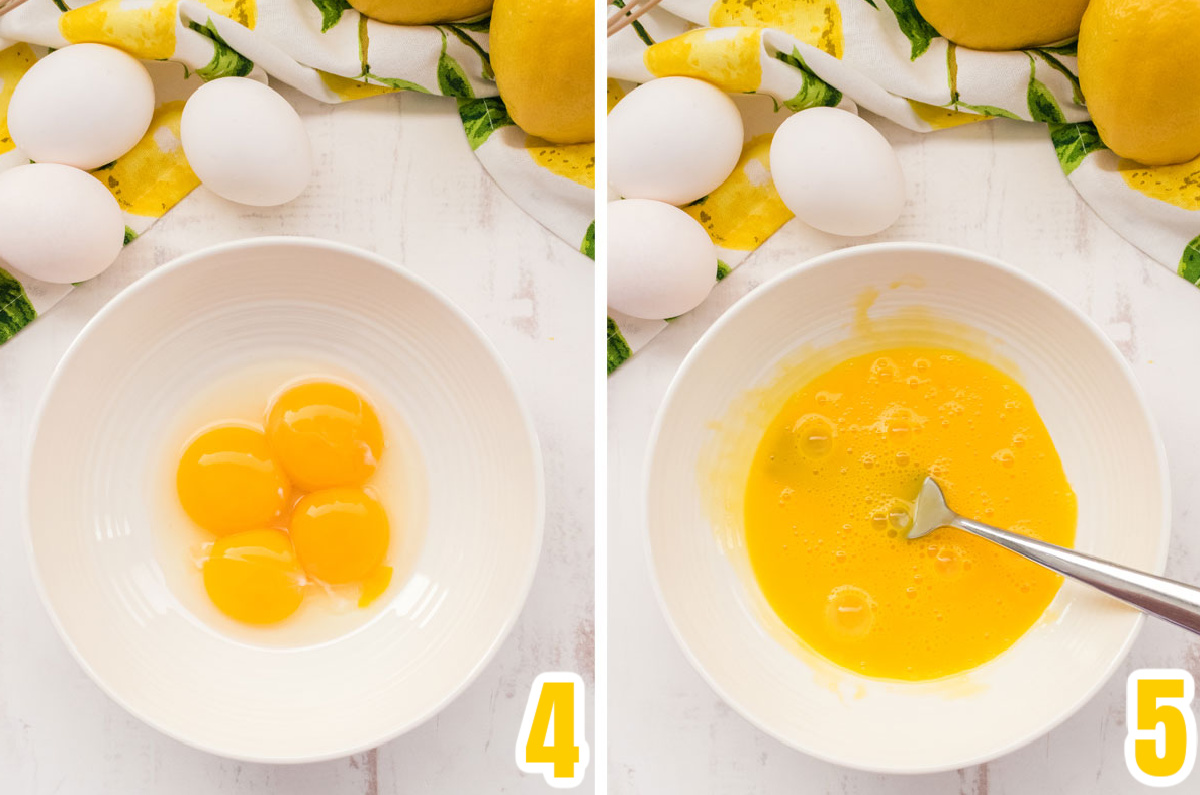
[
  {"x": 779, "y": 57},
  {"x": 323, "y": 48}
]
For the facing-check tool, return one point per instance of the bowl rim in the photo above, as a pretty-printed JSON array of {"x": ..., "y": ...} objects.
[
  {"x": 831, "y": 259},
  {"x": 149, "y": 282}
]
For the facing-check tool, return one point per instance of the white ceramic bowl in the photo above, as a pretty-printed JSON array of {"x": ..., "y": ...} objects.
[
  {"x": 90, "y": 512},
  {"x": 1110, "y": 450}
]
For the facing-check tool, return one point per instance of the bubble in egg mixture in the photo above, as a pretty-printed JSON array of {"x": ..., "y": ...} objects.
[
  {"x": 949, "y": 560},
  {"x": 850, "y": 611},
  {"x": 828, "y": 506},
  {"x": 814, "y": 434},
  {"x": 900, "y": 516},
  {"x": 884, "y": 369},
  {"x": 897, "y": 421}
]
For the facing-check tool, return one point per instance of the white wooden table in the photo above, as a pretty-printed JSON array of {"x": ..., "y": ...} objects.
[
  {"x": 394, "y": 175},
  {"x": 995, "y": 188}
]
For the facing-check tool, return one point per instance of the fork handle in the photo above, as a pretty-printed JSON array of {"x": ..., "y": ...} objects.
[{"x": 1167, "y": 599}]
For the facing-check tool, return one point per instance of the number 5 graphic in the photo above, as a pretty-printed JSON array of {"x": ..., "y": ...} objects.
[
  {"x": 1160, "y": 749},
  {"x": 560, "y": 754}
]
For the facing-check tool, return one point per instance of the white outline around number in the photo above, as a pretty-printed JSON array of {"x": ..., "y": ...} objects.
[
  {"x": 1184, "y": 705},
  {"x": 547, "y": 768}
]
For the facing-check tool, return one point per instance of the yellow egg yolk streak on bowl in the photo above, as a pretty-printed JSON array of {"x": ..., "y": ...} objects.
[{"x": 827, "y": 507}]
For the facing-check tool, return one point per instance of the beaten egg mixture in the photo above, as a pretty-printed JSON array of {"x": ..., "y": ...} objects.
[{"x": 828, "y": 506}]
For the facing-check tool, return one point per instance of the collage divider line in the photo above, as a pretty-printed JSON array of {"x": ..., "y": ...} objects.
[{"x": 600, "y": 453}]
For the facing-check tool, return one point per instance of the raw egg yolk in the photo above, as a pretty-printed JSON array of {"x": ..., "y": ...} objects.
[
  {"x": 228, "y": 480},
  {"x": 325, "y": 435},
  {"x": 341, "y": 535},
  {"x": 254, "y": 577}
]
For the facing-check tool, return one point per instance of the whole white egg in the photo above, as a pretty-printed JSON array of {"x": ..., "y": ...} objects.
[
  {"x": 837, "y": 173},
  {"x": 661, "y": 261},
  {"x": 57, "y": 223},
  {"x": 245, "y": 142},
  {"x": 83, "y": 106},
  {"x": 674, "y": 139}
]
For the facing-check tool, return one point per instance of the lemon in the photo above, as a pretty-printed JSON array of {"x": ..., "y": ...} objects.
[
  {"x": 542, "y": 53},
  {"x": 421, "y": 12},
  {"x": 1004, "y": 24},
  {"x": 1138, "y": 71}
]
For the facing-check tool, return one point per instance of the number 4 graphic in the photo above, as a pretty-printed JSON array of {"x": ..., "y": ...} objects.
[
  {"x": 560, "y": 753},
  {"x": 1160, "y": 749}
]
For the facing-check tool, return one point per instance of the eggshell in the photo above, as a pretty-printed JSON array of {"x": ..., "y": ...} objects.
[
  {"x": 83, "y": 106},
  {"x": 57, "y": 223},
  {"x": 661, "y": 262},
  {"x": 837, "y": 173},
  {"x": 674, "y": 139},
  {"x": 245, "y": 142}
]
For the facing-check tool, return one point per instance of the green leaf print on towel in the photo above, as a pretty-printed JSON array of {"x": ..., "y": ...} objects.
[
  {"x": 480, "y": 25},
  {"x": 987, "y": 110},
  {"x": 398, "y": 83},
  {"x": 618, "y": 348},
  {"x": 395, "y": 83},
  {"x": 1070, "y": 48},
  {"x": 1074, "y": 142},
  {"x": 1189, "y": 263},
  {"x": 914, "y": 27},
  {"x": 485, "y": 60},
  {"x": 1061, "y": 68},
  {"x": 452, "y": 79},
  {"x": 958, "y": 104},
  {"x": 1042, "y": 106},
  {"x": 482, "y": 117},
  {"x": 589, "y": 241},
  {"x": 331, "y": 12},
  {"x": 15, "y": 310},
  {"x": 814, "y": 92},
  {"x": 226, "y": 61}
]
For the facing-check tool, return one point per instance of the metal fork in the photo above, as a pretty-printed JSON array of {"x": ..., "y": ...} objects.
[
  {"x": 625, "y": 15},
  {"x": 1166, "y": 599},
  {"x": 9, "y": 5}
]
